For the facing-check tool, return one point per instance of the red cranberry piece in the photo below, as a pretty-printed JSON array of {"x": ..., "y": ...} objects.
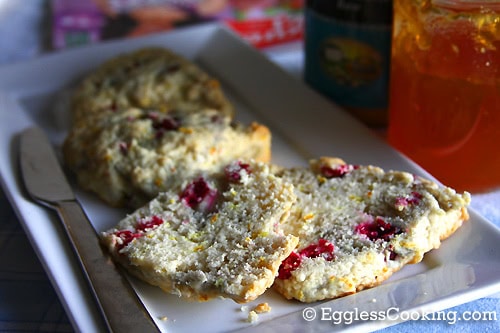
[
  {"x": 216, "y": 119},
  {"x": 126, "y": 236},
  {"x": 153, "y": 116},
  {"x": 163, "y": 123},
  {"x": 322, "y": 249},
  {"x": 392, "y": 255},
  {"x": 199, "y": 195},
  {"x": 167, "y": 124},
  {"x": 143, "y": 225},
  {"x": 401, "y": 202},
  {"x": 123, "y": 146},
  {"x": 378, "y": 229},
  {"x": 413, "y": 199},
  {"x": 113, "y": 107},
  {"x": 233, "y": 171},
  {"x": 338, "y": 171},
  {"x": 291, "y": 263}
]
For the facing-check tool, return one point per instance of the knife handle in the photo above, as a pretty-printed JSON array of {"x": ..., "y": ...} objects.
[{"x": 122, "y": 309}]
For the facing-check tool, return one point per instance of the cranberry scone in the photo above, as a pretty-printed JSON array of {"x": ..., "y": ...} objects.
[
  {"x": 217, "y": 237},
  {"x": 359, "y": 224},
  {"x": 128, "y": 157},
  {"x": 151, "y": 77}
]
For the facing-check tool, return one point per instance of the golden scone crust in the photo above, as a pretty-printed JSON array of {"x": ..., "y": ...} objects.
[
  {"x": 130, "y": 156},
  {"x": 149, "y": 78},
  {"x": 218, "y": 237},
  {"x": 359, "y": 224},
  {"x": 145, "y": 120}
]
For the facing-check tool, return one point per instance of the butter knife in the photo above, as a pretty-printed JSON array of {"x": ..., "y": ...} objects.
[{"x": 46, "y": 183}]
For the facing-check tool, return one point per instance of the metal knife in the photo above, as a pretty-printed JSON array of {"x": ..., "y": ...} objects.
[{"x": 46, "y": 183}]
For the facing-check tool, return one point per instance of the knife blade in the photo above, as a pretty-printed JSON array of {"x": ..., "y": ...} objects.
[{"x": 46, "y": 183}]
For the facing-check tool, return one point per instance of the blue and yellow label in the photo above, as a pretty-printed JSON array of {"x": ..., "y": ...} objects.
[{"x": 347, "y": 61}]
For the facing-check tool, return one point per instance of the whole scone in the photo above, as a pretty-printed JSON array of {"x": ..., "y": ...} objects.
[
  {"x": 359, "y": 224},
  {"x": 151, "y": 77},
  {"x": 216, "y": 237},
  {"x": 130, "y": 156}
]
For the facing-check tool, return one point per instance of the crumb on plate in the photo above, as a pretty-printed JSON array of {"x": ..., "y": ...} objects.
[
  {"x": 252, "y": 317},
  {"x": 262, "y": 308}
]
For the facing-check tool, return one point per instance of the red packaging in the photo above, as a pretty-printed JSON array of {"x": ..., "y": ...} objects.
[{"x": 261, "y": 22}]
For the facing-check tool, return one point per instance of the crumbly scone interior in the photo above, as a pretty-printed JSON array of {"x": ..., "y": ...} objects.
[
  {"x": 148, "y": 119},
  {"x": 151, "y": 77},
  {"x": 129, "y": 157},
  {"x": 358, "y": 224},
  {"x": 229, "y": 245}
]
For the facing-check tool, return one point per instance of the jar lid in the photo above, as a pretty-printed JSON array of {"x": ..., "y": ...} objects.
[
  {"x": 468, "y": 5},
  {"x": 357, "y": 11}
]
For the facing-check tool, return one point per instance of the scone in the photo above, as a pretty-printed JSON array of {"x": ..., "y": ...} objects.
[
  {"x": 128, "y": 157},
  {"x": 217, "y": 237},
  {"x": 358, "y": 224},
  {"x": 151, "y": 77}
]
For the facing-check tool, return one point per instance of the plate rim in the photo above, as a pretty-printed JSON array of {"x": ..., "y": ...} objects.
[{"x": 25, "y": 209}]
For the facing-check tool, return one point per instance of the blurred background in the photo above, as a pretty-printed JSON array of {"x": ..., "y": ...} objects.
[{"x": 31, "y": 27}]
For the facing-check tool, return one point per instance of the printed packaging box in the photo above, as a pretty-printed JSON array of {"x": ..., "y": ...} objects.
[{"x": 261, "y": 22}]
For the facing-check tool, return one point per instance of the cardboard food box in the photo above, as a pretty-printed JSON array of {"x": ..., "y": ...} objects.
[{"x": 261, "y": 22}]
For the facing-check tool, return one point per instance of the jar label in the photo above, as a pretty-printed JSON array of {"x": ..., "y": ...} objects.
[{"x": 347, "y": 61}]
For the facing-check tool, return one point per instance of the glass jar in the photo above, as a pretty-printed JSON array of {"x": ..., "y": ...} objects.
[
  {"x": 347, "y": 54},
  {"x": 445, "y": 89}
]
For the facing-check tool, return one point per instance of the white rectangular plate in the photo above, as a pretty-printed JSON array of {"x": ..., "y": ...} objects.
[{"x": 304, "y": 125}]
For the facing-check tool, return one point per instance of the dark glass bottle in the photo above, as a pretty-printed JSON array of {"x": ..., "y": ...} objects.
[{"x": 347, "y": 54}]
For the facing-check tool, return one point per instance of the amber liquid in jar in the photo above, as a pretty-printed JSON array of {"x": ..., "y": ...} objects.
[{"x": 444, "y": 105}]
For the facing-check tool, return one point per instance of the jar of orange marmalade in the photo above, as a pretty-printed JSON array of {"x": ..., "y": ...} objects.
[
  {"x": 347, "y": 54},
  {"x": 445, "y": 89}
]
